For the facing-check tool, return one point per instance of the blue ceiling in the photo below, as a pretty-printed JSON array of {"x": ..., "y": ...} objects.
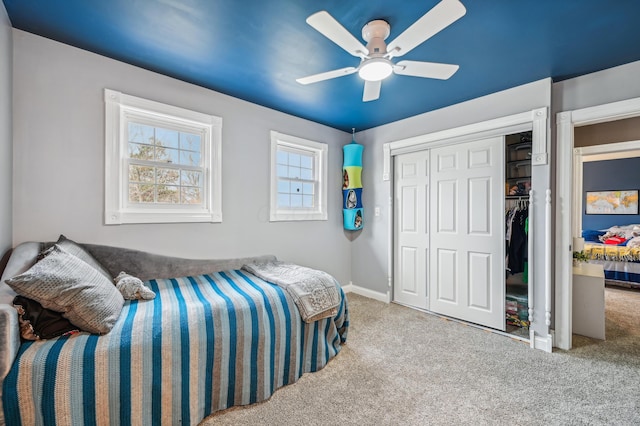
[{"x": 255, "y": 49}]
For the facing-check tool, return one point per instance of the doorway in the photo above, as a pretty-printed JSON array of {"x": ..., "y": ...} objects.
[{"x": 568, "y": 226}]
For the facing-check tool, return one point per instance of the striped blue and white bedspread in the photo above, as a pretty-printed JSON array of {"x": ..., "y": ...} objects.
[{"x": 203, "y": 344}]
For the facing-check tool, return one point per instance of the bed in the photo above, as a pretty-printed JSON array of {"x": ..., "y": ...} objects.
[
  {"x": 206, "y": 342},
  {"x": 617, "y": 249}
]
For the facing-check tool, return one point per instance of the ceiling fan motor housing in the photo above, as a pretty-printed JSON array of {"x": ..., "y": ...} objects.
[{"x": 374, "y": 33}]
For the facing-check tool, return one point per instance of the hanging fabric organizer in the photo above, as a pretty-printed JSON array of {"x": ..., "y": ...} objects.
[{"x": 352, "y": 187}]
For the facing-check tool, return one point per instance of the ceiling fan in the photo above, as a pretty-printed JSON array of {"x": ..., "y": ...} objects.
[{"x": 375, "y": 58}]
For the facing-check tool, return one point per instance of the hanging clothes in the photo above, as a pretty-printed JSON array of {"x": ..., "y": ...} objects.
[{"x": 516, "y": 239}]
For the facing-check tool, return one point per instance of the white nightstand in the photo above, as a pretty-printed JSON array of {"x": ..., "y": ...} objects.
[{"x": 588, "y": 300}]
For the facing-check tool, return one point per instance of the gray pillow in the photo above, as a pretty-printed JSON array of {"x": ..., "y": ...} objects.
[
  {"x": 64, "y": 283},
  {"x": 77, "y": 250}
]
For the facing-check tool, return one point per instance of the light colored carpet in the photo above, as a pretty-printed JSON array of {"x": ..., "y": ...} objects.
[{"x": 402, "y": 366}]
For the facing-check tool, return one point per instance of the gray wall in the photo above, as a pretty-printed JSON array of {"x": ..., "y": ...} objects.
[
  {"x": 370, "y": 248},
  {"x": 6, "y": 61},
  {"x": 611, "y": 85},
  {"x": 59, "y": 163}
]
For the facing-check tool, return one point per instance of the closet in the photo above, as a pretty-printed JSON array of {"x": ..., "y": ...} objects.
[
  {"x": 517, "y": 187},
  {"x": 450, "y": 210}
]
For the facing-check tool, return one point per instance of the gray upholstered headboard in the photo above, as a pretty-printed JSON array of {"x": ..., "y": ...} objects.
[
  {"x": 141, "y": 264},
  {"x": 148, "y": 266}
]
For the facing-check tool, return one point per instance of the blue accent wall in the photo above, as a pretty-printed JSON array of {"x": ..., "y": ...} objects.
[{"x": 609, "y": 175}]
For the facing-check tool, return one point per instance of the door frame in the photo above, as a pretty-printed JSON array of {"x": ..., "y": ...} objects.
[
  {"x": 534, "y": 120},
  {"x": 567, "y": 201}
]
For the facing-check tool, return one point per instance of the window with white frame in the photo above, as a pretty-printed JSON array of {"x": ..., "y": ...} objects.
[
  {"x": 298, "y": 178},
  {"x": 162, "y": 162}
]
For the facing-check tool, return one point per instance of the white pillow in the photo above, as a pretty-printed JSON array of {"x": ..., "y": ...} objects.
[{"x": 64, "y": 283}]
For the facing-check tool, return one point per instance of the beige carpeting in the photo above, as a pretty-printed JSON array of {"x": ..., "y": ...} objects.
[{"x": 405, "y": 367}]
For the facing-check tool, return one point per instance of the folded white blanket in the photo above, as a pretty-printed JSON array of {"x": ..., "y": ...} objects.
[{"x": 314, "y": 292}]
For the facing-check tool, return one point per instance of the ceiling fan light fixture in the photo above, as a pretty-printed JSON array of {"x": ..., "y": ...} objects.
[{"x": 375, "y": 69}]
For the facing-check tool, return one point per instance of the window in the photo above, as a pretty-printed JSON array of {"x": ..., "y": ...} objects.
[
  {"x": 298, "y": 178},
  {"x": 162, "y": 162}
]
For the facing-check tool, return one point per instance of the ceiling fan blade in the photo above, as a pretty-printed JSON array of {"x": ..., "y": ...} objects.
[
  {"x": 326, "y": 75},
  {"x": 326, "y": 25},
  {"x": 425, "y": 69},
  {"x": 371, "y": 90},
  {"x": 441, "y": 16}
]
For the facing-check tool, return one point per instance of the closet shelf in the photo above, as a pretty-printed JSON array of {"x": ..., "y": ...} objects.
[{"x": 526, "y": 162}]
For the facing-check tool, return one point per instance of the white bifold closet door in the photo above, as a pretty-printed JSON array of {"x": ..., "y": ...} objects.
[
  {"x": 411, "y": 236},
  {"x": 449, "y": 231},
  {"x": 467, "y": 275}
]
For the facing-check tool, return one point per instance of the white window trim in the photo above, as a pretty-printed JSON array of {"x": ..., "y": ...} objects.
[
  {"x": 321, "y": 150},
  {"x": 117, "y": 210}
]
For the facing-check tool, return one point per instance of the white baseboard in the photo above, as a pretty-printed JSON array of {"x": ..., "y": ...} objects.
[
  {"x": 544, "y": 343},
  {"x": 351, "y": 288}
]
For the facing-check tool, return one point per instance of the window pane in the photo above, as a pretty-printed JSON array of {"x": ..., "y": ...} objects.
[
  {"x": 191, "y": 196},
  {"x": 191, "y": 178},
  {"x": 167, "y": 138},
  {"x": 140, "y": 152},
  {"x": 140, "y": 133},
  {"x": 296, "y": 200},
  {"x": 306, "y": 174},
  {"x": 294, "y": 172},
  {"x": 306, "y": 161},
  {"x": 190, "y": 158},
  {"x": 294, "y": 159},
  {"x": 168, "y": 176},
  {"x": 190, "y": 141},
  {"x": 307, "y": 188},
  {"x": 283, "y": 186},
  {"x": 283, "y": 200},
  {"x": 168, "y": 194},
  {"x": 141, "y": 193},
  {"x": 167, "y": 155},
  {"x": 283, "y": 171},
  {"x": 141, "y": 174},
  {"x": 307, "y": 201},
  {"x": 282, "y": 157},
  {"x": 296, "y": 188}
]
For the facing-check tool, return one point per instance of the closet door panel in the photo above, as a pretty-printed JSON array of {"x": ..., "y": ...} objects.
[
  {"x": 447, "y": 206},
  {"x": 479, "y": 206},
  {"x": 411, "y": 218},
  {"x": 479, "y": 281},
  {"x": 480, "y": 157},
  {"x": 467, "y": 238},
  {"x": 409, "y": 262},
  {"x": 447, "y": 267},
  {"x": 447, "y": 162},
  {"x": 409, "y": 209}
]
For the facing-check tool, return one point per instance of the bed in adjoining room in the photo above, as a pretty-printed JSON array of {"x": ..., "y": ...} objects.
[
  {"x": 617, "y": 249},
  {"x": 215, "y": 336}
]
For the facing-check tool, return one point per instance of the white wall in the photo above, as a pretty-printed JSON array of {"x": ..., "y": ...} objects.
[
  {"x": 370, "y": 251},
  {"x": 59, "y": 163},
  {"x": 6, "y": 61}
]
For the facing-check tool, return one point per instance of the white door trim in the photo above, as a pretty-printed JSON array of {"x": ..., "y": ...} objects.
[
  {"x": 566, "y": 200},
  {"x": 530, "y": 120}
]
